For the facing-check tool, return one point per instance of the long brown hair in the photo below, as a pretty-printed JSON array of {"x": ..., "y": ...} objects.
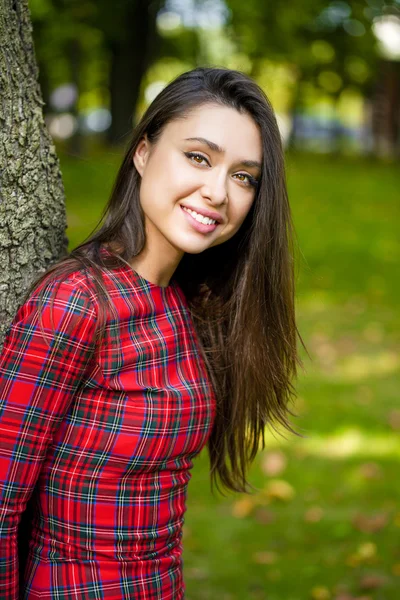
[{"x": 240, "y": 293}]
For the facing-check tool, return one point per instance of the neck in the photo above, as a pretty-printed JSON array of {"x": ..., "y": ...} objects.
[{"x": 158, "y": 260}]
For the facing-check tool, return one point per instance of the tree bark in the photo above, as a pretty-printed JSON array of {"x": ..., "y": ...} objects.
[{"x": 32, "y": 209}]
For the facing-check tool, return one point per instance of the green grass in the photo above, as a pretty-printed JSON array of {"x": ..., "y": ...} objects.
[{"x": 327, "y": 523}]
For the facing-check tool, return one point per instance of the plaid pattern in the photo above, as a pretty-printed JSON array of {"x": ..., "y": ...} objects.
[{"x": 102, "y": 437}]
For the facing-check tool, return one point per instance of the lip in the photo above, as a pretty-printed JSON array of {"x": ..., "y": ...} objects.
[
  {"x": 200, "y": 227},
  {"x": 205, "y": 213}
]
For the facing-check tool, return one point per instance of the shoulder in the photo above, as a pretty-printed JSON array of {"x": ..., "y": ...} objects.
[
  {"x": 77, "y": 284},
  {"x": 63, "y": 310},
  {"x": 83, "y": 283},
  {"x": 62, "y": 295}
]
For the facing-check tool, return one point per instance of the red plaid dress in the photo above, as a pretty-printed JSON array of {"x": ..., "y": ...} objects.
[{"x": 103, "y": 436}]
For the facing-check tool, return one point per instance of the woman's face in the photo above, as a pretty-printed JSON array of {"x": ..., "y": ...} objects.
[{"x": 204, "y": 166}]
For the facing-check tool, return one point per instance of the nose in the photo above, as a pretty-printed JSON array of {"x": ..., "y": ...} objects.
[{"x": 215, "y": 190}]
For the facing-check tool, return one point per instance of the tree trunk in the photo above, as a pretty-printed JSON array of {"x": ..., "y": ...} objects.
[
  {"x": 32, "y": 210},
  {"x": 131, "y": 54},
  {"x": 386, "y": 110}
]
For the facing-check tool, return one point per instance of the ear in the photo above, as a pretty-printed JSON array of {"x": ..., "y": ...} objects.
[{"x": 141, "y": 155}]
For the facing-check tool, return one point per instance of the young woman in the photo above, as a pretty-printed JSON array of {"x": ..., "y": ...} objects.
[{"x": 171, "y": 327}]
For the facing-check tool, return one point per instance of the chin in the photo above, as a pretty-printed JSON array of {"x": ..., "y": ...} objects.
[{"x": 191, "y": 246}]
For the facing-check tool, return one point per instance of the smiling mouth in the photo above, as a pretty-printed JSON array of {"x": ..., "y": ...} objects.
[
  {"x": 199, "y": 217},
  {"x": 205, "y": 225}
]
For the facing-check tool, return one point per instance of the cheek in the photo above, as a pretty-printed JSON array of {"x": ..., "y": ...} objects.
[
  {"x": 236, "y": 216},
  {"x": 156, "y": 177},
  {"x": 166, "y": 179},
  {"x": 238, "y": 211}
]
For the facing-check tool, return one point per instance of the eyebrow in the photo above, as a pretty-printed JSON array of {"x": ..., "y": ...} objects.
[{"x": 213, "y": 146}]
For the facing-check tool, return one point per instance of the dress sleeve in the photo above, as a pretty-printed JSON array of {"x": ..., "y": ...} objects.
[{"x": 37, "y": 383}]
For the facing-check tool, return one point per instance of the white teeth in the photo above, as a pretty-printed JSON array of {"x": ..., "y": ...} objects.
[{"x": 200, "y": 218}]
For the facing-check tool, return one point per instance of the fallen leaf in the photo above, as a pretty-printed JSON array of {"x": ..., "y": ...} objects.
[
  {"x": 320, "y": 593},
  {"x": 370, "y": 524},
  {"x": 353, "y": 560},
  {"x": 341, "y": 589},
  {"x": 366, "y": 553},
  {"x": 313, "y": 514},
  {"x": 372, "y": 582},
  {"x": 371, "y": 470},
  {"x": 278, "y": 489},
  {"x": 264, "y": 516},
  {"x": 396, "y": 569},
  {"x": 273, "y": 463},
  {"x": 265, "y": 558},
  {"x": 394, "y": 419},
  {"x": 366, "y": 550},
  {"x": 243, "y": 507}
]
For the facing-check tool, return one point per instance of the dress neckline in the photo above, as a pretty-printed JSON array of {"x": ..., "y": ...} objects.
[{"x": 145, "y": 282}]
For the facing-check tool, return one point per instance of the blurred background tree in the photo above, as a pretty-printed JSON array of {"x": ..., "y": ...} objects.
[{"x": 331, "y": 68}]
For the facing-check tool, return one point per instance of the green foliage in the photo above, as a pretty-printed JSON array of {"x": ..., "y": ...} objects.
[
  {"x": 328, "y": 44},
  {"x": 69, "y": 46},
  {"x": 302, "y": 53}
]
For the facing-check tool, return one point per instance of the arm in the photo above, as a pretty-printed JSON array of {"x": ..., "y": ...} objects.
[{"x": 37, "y": 383}]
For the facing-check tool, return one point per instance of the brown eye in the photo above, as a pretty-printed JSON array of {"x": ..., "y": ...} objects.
[
  {"x": 196, "y": 158},
  {"x": 242, "y": 177},
  {"x": 247, "y": 179}
]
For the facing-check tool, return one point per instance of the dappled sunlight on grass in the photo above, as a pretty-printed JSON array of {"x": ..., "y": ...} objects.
[
  {"x": 350, "y": 443},
  {"x": 348, "y": 343},
  {"x": 357, "y": 366},
  {"x": 333, "y": 363},
  {"x": 342, "y": 444}
]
